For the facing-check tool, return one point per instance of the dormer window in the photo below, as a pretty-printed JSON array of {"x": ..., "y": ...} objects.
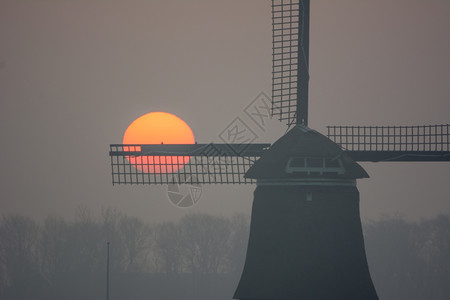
[{"x": 315, "y": 165}]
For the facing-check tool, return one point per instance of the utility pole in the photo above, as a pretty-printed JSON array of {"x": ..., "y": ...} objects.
[{"x": 107, "y": 270}]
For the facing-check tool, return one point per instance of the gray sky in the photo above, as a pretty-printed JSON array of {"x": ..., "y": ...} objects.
[{"x": 74, "y": 74}]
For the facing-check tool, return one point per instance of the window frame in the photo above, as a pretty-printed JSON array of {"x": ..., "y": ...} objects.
[{"x": 340, "y": 170}]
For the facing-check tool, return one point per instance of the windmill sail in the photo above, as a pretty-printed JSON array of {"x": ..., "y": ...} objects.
[
  {"x": 165, "y": 164},
  {"x": 221, "y": 163},
  {"x": 227, "y": 163},
  {"x": 290, "y": 58},
  {"x": 393, "y": 143}
]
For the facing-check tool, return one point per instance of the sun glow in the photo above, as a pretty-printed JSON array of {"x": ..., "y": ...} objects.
[{"x": 158, "y": 128}]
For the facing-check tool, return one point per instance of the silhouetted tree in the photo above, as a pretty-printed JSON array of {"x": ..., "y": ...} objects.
[
  {"x": 388, "y": 247},
  {"x": 433, "y": 251},
  {"x": 110, "y": 231},
  {"x": 19, "y": 242},
  {"x": 136, "y": 239},
  {"x": 55, "y": 247},
  {"x": 409, "y": 260},
  {"x": 167, "y": 248},
  {"x": 240, "y": 225},
  {"x": 205, "y": 242},
  {"x": 199, "y": 256}
]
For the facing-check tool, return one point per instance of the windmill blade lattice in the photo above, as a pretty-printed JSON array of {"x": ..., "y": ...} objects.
[
  {"x": 393, "y": 143},
  {"x": 227, "y": 163},
  {"x": 204, "y": 163},
  {"x": 290, "y": 60},
  {"x": 223, "y": 164}
]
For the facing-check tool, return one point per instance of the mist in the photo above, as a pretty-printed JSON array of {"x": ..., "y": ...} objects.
[
  {"x": 75, "y": 74},
  {"x": 199, "y": 257}
]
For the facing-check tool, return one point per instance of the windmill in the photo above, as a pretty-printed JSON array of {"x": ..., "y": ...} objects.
[{"x": 305, "y": 239}]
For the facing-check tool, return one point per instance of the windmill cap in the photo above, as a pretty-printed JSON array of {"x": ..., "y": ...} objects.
[{"x": 303, "y": 143}]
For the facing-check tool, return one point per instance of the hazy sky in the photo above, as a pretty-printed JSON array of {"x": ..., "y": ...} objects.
[{"x": 74, "y": 74}]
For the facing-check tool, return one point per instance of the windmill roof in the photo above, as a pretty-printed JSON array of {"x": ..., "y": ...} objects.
[{"x": 302, "y": 141}]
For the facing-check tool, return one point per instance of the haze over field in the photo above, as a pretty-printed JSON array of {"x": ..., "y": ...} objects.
[{"x": 75, "y": 74}]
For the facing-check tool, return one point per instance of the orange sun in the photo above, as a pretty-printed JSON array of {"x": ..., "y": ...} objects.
[{"x": 157, "y": 128}]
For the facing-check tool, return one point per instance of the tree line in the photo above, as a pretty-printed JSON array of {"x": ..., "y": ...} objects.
[
  {"x": 199, "y": 257},
  {"x": 49, "y": 260},
  {"x": 409, "y": 260}
]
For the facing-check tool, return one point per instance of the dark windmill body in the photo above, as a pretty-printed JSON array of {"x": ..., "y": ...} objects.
[{"x": 305, "y": 239}]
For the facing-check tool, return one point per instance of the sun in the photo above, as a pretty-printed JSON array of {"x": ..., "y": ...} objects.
[{"x": 158, "y": 128}]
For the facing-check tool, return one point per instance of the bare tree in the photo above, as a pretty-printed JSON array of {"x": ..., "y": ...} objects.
[
  {"x": 55, "y": 247},
  {"x": 238, "y": 242},
  {"x": 167, "y": 247},
  {"x": 110, "y": 219},
  {"x": 136, "y": 239},
  {"x": 205, "y": 242},
  {"x": 409, "y": 260},
  {"x": 432, "y": 244},
  {"x": 19, "y": 238}
]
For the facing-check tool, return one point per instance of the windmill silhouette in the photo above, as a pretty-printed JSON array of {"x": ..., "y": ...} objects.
[{"x": 305, "y": 238}]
